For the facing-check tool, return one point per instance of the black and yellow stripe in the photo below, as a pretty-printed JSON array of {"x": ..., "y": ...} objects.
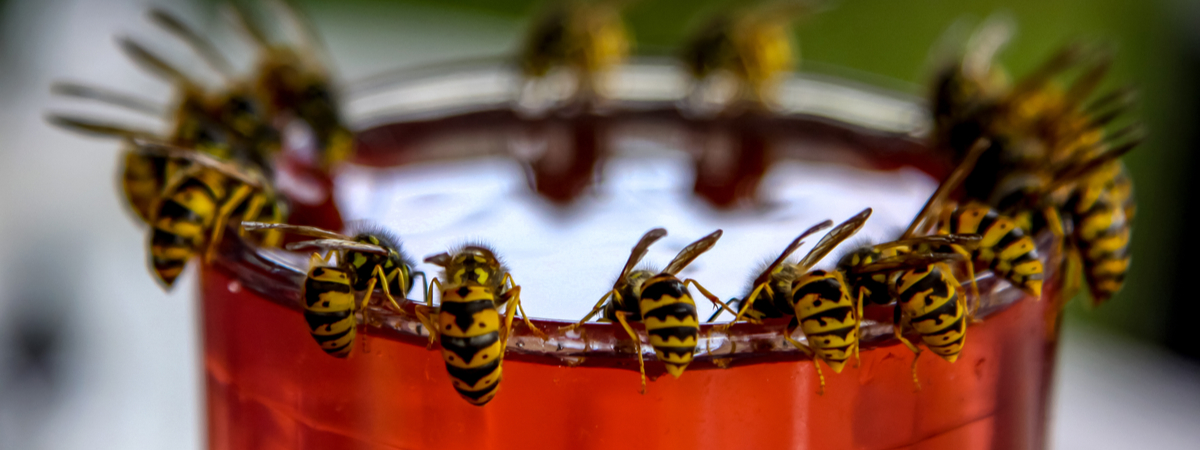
[
  {"x": 181, "y": 220},
  {"x": 469, "y": 328},
  {"x": 874, "y": 286},
  {"x": 928, "y": 301},
  {"x": 191, "y": 205},
  {"x": 826, "y": 313},
  {"x": 669, "y": 314},
  {"x": 1101, "y": 230},
  {"x": 1004, "y": 248},
  {"x": 329, "y": 309}
]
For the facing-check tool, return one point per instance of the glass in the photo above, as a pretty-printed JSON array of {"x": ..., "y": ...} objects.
[{"x": 446, "y": 140}]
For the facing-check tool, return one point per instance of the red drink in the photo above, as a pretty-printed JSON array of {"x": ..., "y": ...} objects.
[{"x": 270, "y": 386}]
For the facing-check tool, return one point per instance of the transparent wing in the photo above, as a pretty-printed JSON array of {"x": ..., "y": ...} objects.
[
  {"x": 638, "y": 252},
  {"x": 905, "y": 261},
  {"x": 963, "y": 240},
  {"x": 947, "y": 186},
  {"x": 338, "y": 244},
  {"x": 243, "y": 174},
  {"x": 296, "y": 229},
  {"x": 831, "y": 240},
  {"x": 791, "y": 248},
  {"x": 691, "y": 252}
]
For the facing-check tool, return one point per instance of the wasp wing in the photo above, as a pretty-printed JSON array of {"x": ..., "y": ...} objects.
[
  {"x": 338, "y": 244},
  {"x": 905, "y": 261},
  {"x": 831, "y": 240},
  {"x": 295, "y": 229},
  {"x": 937, "y": 240},
  {"x": 791, "y": 248},
  {"x": 947, "y": 186},
  {"x": 637, "y": 253},
  {"x": 691, "y": 252}
]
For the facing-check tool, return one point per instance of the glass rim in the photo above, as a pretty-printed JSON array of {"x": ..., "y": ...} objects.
[{"x": 463, "y": 89}]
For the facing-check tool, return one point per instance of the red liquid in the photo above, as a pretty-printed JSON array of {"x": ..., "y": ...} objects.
[{"x": 269, "y": 386}]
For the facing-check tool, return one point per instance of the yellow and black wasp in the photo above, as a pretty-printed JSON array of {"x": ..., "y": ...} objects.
[
  {"x": 367, "y": 257},
  {"x": 467, "y": 320},
  {"x": 587, "y": 38},
  {"x": 191, "y": 214},
  {"x": 753, "y": 46},
  {"x": 663, "y": 304},
  {"x": 294, "y": 83},
  {"x": 1052, "y": 163},
  {"x": 229, "y": 124},
  {"x": 821, "y": 303}
]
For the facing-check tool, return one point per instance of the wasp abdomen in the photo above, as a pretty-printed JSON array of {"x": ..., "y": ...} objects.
[
  {"x": 469, "y": 325},
  {"x": 180, "y": 224},
  {"x": 1004, "y": 247},
  {"x": 1102, "y": 233},
  {"x": 825, "y": 312},
  {"x": 329, "y": 310},
  {"x": 928, "y": 297},
  {"x": 671, "y": 322}
]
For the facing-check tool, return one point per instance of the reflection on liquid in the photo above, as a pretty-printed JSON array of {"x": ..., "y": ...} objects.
[{"x": 566, "y": 257}]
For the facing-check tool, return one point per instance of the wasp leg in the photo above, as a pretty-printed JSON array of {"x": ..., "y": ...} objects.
[
  {"x": 637, "y": 348},
  {"x": 424, "y": 283},
  {"x": 366, "y": 301},
  {"x": 222, "y": 217},
  {"x": 426, "y": 317},
  {"x": 253, "y": 210},
  {"x": 508, "y": 320},
  {"x": 709, "y": 295},
  {"x": 718, "y": 312},
  {"x": 515, "y": 295},
  {"x": 595, "y": 309},
  {"x": 747, "y": 304},
  {"x": 791, "y": 328},
  {"x": 896, "y": 329},
  {"x": 386, "y": 291},
  {"x": 970, "y": 273}
]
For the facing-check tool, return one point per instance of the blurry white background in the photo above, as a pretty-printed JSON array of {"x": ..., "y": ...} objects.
[{"x": 93, "y": 355}]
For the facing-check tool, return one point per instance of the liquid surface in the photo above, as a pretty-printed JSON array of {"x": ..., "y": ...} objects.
[{"x": 565, "y": 258}]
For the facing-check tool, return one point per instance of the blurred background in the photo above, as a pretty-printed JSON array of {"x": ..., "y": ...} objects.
[{"x": 94, "y": 355}]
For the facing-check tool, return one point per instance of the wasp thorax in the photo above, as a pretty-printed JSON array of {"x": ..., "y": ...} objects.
[{"x": 474, "y": 265}]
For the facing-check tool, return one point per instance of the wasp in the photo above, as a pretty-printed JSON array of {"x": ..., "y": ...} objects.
[
  {"x": 294, "y": 83},
  {"x": 824, "y": 304},
  {"x": 191, "y": 214},
  {"x": 753, "y": 46},
  {"x": 663, "y": 304},
  {"x": 368, "y": 257},
  {"x": 586, "y": 38},
  {"x": 1053, "y": 164},
  {"x": 229, "y": 125},
  {"x": 467, "y": 320}
]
